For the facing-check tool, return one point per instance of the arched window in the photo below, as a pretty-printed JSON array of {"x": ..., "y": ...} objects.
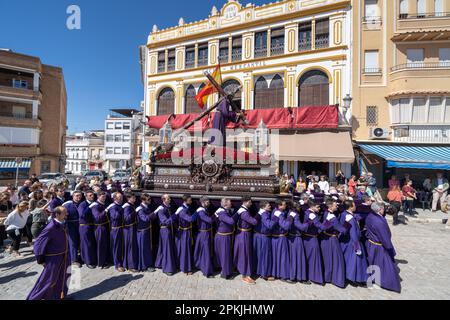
[
  {"x": 269, "y": 96},
  {"x": 261, "y": 88},
  {"x": 403, "y": 9},
  {"x": 190, "y": 104},
  {"x": 166, "y": 102},
  {"x": 276, "y": 89},
  {"x": 439, "y": 8},
  {"x": 229, "y": 86},
  {"x": 313, "y": 89},
  {"x": 421, "y": 8}
]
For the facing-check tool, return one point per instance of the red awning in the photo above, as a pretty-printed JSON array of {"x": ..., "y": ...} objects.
[{"x": 311, "y": 117}]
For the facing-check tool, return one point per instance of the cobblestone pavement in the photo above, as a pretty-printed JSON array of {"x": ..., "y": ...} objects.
[{"x": 422, "y": 252}]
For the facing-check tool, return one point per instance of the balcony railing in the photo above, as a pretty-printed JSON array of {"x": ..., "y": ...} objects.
[
  {"x": 371, "y": 70},
  {"x": 371, "y": 19},
  {"x": 171, "y": 66},
  {"x": 277, "y": 50},
  {"x": 203, "y": 61},
  {"x": 304, "y": 44},
  {"x": 261, "y": 52},
  {"x": 322, "y": 41},
  {"x": 223, "y": 58},
  {"x": 18, "y": 116},
  {"x": 405, "y": 16},
  {"x": 190, "y": 64},
  {"x": 236, "y": 54},
  {"x": 161, "y": 66},
  {"x": 422, "y": 65}
]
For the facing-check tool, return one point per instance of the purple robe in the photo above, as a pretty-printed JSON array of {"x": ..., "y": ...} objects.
[
  {"x": 243, "y": 247},
  {"x": 131, "y": 254},
  {"x": 203, "y": 251},
  {"x": 262, "y": 244},
  {"x": 298, "y": 266},
  {"x": 73, "y": 229},
  {"x": 166, "y": 257},
  {"x": 185, "y": 239},
  {"x": 101, "y": 223},
  {"x": 54, "y": 203},
  {"x": 381, "y": 252},
  {"x": 355, "y": 265},
  {"x": 333, "y": 258},
  {"x": 88, "y": 245},
  {"x": 312, "y": 247},
  {"x": 115, "y": 213},
  {"x": 52, "y": 249},
  {"x": 222, "y": 116},
  {"x": 144, "y": 237},
  {"x": 280, "y": 245},
  {"x": 223, "y": 241}
]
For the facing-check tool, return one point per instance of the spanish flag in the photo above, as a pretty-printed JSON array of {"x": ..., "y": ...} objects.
[{"x": 202, "y": 96}]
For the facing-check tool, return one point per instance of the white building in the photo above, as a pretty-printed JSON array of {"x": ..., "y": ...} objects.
[
  {"x": 85, "y": 151},
  {"x": 119, "y": 128},
  {"x": 77, "y": 147}
]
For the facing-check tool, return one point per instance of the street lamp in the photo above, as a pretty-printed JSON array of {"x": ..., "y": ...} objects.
[
  {"x": 347, "y": 104},
  {"x": 165, "y": 133}
]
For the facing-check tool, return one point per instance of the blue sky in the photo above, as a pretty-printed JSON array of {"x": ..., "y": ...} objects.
[{"x": 100, "y": 61}]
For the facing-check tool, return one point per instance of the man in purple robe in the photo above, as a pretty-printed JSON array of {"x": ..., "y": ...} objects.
[
  {"x": 51, "y": 249},
  {"x": 88, "y": 246},
  {"x": 144, "y": 234},
  {"x": 311, "y": 243},
  {"x": 185, "y": 238},
  {"x": 223, "y": 241},
  {"x": 333, "y": 258},
  {"x": 243, "y": 253},
  {"x": 352, "y": 248},
  {"x": 203, "y": 251},
  {"x": 58, "y": 200},
  {"x": 262, "y": 242},
  {"x": 298, "y": 265},
  {"x": 223, "y": 115},
  {"x": 115, "y": 213},
  {"x": 73, "y": 226},
  {"x": 280, "y": 245},
  {"x": 131, "y": 255},
  {"x": 101, "y": 223},
  {"x": 166, "y": 257},
  {"x": 380, "y": 251}
]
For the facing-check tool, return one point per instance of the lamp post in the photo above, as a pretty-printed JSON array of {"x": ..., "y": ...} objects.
[{"x": 347, "y": 104}]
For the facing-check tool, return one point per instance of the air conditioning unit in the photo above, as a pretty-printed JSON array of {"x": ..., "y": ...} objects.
[{"x": 378, "y": 133}]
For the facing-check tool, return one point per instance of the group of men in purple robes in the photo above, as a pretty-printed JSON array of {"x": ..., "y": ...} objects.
[{"x": 307, "y": 242}]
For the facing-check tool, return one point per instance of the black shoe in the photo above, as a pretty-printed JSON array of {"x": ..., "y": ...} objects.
[
  {"x": 288, "y": 281},
  {"x": 90, "y": 266},
  {"x": 151, "y": 270},
  {"x": 444, "y": 221},
  {"x": 306, "y": 282},
  {"x": 169, "y": 273}
]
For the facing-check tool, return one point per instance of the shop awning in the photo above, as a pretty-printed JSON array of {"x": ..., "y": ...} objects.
[
  {"x": 11, "y": 164},
  {"x": 314, "y": 147},
  {"x": 415, "y": 157}
]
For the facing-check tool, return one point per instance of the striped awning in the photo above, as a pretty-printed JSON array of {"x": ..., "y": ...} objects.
[
  {"x": 416, "y": 157},
  {"x": 10, "y": 164}
]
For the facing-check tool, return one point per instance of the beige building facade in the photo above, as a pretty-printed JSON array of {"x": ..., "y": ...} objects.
[
  {"x": 33, "y": 116},
  {"x": 401, "y": 85},
  {"x": 283, "y": 54}
]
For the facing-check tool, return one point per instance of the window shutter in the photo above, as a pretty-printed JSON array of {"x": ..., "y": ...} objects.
[
  {"x": 405, "y": 111},
  {"x": 419, "y": 110},
  {"x": 435, "y": 113}
]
